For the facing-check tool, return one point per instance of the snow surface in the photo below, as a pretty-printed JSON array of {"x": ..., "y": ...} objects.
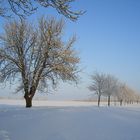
[{"x": 62, "y": 121}]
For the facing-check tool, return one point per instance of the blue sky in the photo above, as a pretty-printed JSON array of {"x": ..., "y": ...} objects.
[{"x": 108, "y": 40}]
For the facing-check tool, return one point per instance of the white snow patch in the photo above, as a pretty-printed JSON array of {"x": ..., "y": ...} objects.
[
  {"x": 53, "y": 120},
  {"x": 55, "y": 103}
]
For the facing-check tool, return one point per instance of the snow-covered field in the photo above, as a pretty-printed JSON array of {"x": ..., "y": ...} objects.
[{"x": 68, "y": 121}]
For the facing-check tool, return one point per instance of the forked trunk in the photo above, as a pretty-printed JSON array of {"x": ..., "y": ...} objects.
[
  {"x": 29, "y": 96},
  {"x": 28, "y": 101}
]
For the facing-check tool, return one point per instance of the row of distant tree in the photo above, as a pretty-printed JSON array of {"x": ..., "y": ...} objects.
[{"x": 109, "y": 86}]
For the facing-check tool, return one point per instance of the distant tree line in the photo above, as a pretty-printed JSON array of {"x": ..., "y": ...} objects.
[{"x": 109, "y": 86}]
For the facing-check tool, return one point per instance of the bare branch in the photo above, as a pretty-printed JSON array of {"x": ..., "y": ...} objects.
[{"x": 23, "y": 8}]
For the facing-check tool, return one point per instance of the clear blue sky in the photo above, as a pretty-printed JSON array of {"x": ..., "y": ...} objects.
[{"x": 108, "y": 39}]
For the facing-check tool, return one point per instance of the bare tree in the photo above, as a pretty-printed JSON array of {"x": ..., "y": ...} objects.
[
  {"x": 110, "y": 86},
  {"x": 97, "y": 85},
  {"x": 24, "y": 8},
  {"x": 36, "y": 56}
]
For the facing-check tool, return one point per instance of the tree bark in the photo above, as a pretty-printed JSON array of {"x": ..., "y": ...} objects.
[
  {"x": 99, "y": 97},
  {"x": 28, "y": 101}
]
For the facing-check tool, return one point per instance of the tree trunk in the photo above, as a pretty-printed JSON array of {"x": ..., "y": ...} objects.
[
  {"x": 109, "y": 100},
  {"x": 99, "y": 97},
  {"x": 28, "y": 101}
]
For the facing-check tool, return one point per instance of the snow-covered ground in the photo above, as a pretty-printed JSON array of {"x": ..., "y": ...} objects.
[{"x": 71, "y": 120}]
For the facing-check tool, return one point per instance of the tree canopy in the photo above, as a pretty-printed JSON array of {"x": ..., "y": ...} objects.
[{"x": 37, "y": 56}]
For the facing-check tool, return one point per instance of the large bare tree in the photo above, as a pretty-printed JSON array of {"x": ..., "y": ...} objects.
[
  {"x": 23, "y": 8},
  {"x": 36, "y": 56}
]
